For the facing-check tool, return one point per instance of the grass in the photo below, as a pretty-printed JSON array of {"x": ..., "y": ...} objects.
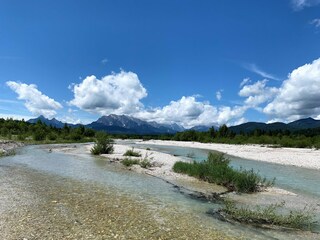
[
  {"x": 216, "y": 169},
  {"x": 132, "y": 153},
  {"x": 270, "y": 215},
  {"x": 144, "y": 162},
  {"x": 128, "y": 162}
]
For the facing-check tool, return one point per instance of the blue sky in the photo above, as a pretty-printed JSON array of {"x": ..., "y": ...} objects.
[{"x": 189, "y": 62}]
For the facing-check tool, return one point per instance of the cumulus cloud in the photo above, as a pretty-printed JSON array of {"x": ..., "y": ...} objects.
[
  {"x": 189, "y": 112},
  {"x": 257, "y": 93},
  {"x": 116, "y": 93},
  {"x": 301, "y": 4},
  {"x": 298, "y": 96},
  {"x": 35, "y": 101},
  {"x": 121, "y": 93}
]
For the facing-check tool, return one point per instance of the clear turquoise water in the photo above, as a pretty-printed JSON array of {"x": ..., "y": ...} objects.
[
  {"x": 84, "y": 167},
  {"x": 295, "y": 179}
]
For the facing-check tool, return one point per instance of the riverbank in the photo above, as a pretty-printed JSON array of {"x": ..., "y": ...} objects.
[
  {"x": 161, "y": 167},
  {"x": 300, "y": 157},
  {"x": 7, "y": 147}
]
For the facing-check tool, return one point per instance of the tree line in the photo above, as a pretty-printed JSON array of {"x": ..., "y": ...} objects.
[
  {"x": 307, "y": 138},
  {"x": 40, "y": 132},
  {"x": 276, "y": 138}
]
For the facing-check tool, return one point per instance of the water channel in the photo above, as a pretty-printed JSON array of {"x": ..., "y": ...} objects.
[{"x": 161, "y": 196}]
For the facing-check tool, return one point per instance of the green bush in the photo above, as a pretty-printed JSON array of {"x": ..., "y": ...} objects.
[
  {"x": 132, "y": 153},
  {"x": 75, "y": 136},
  {"x": 129, "y": 162},
  {"x": 39, "y": 135},
  {"x": 145, "y": 163},
  {"x": 216, "y": 169},
  {"x": 103, "y": 144},
  {"x": 52, "y": 136}
]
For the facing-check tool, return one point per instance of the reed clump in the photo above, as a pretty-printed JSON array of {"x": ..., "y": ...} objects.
[
  {"x": 132, "y": 153},
  {"x": 272, "y": 215},
  {"x": 216, "y": 169}
]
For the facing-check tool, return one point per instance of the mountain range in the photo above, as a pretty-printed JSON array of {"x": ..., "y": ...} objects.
[
  {"x": 306, "y": 123},
  {"x": 123, "y": 124},
  {"x": 118, "y": 124}
]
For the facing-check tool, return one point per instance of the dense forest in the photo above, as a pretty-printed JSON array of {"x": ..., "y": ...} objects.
[{"x": 41, "y": 133}]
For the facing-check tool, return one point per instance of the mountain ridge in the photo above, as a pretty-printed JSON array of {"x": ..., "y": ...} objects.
[{"x": 124, "y": 124}]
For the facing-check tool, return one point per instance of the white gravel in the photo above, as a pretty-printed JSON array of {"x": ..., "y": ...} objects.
[{"x": 300, "y": 157}]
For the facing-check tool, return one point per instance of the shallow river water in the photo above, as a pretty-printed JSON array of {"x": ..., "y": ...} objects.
[{"x": 62, "y": 196}]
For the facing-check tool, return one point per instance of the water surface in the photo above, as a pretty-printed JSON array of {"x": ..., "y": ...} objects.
[{"x": 151, "y": 192}]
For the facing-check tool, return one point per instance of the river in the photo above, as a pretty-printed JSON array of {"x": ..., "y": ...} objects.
[{"x": 78, "y": 196}]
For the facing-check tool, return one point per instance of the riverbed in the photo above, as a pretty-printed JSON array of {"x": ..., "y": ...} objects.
[{"x": 54, "y": 195}]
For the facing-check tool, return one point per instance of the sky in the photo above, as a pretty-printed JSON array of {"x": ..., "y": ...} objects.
[{"x": 208, "y": 62}]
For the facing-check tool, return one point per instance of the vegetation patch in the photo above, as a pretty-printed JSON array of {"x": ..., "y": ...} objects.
[
  {"x": 272, "y": 215},
  {"x": 216, "y": 169},
  {"x": 103, "y": 144},
  {"x": 144, "y": 162},
  {"x": 128, "y": 162},
  {"x": 132, "y": 153}
]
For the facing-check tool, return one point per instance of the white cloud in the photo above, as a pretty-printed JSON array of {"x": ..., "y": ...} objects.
[
  {"x": 122, "y": 93},
  {"x": 219, "y": 95},
  {"x": 257, "y": 93},
  {"x": 36, "y": 102},
  {"x": 116, "y": 93},
  {"x": 301, "y": 4},
  {"x": 298, "y": 96},
  {"x": 316, "y": 22},
  {"x": 70, "y": 119},
  {"x": 245, "y": 81},
  {"x": 254, "y": 68},
  {"x": 189, "y": 112}
]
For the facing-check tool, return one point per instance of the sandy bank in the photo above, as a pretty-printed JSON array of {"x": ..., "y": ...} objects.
[{"x": 300, "y": 157}]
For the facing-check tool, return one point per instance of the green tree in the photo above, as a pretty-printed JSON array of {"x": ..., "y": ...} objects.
[
  {"x": 223, "y": 131},
  {"x": 39, "y": 135}
]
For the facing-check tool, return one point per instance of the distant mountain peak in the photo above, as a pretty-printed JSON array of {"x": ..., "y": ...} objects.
[
  {"x": 51, "y": 122},
  {"x": 127, "y": 124}
]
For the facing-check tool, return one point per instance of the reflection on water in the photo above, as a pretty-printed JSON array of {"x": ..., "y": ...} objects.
[{"x": 149, "y": 190}]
